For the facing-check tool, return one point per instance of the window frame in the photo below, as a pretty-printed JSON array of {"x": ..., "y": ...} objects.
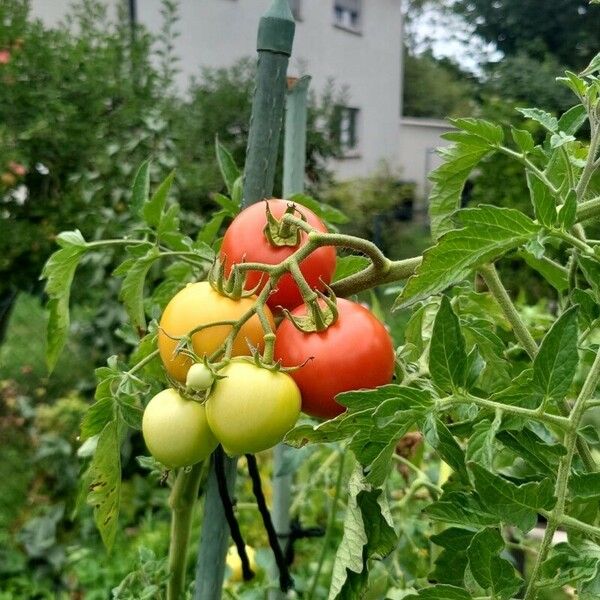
[{"x": 338, "y": 23}]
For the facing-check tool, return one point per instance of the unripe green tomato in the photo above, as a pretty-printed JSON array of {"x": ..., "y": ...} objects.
[
  {"x": 252, "y": 408},
  {"x": 176, "y": 430},
  {"x": 199, "y": 377}
]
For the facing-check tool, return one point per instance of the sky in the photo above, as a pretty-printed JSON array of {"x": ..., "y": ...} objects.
[{"x": 450, "y": 36}]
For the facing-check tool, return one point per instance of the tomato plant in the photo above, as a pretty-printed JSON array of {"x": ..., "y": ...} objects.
[
  {"x": 355, "y": 352},
  {"x": 197, "y": 306},
  {"x": 251, "y": 408},
  {"x": 499, "y": 400},
  {"x": 176, "y": 430},
  {"x": 246, "y": 241}
]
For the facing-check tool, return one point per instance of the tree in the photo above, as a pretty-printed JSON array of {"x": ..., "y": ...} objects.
[{"x": 567, "y": 29}]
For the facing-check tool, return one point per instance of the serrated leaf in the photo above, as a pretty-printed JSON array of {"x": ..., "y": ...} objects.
[
  {"x": 487, "y": 131},
  {"x": 593, "y": 66},
  {"x": 514, "y": 504},
  {"x": 543, "y": 457},
  {"x": 490, "y": 571},
  {"x": 97, "y": 416},
  {"x": 560, "y": 139},
  {"x": 58, "y": 272},
  {"x": 229, "y": 170},
  {"x": 461, "y": 508},
  {"x": 348, "y": 265},
  {"x": 480, "y": 448},
  {"x": 447, "y": 354},
  {"x": 571, "y": 121},
  {"x": 543, "y": 202},
  {"x": 153, "y": 208},
  {"x": 105, "y": 483},
  {"x": 449, "y": 179},
  {"x": 368, "y": 534},
  {"x": 556, "y": 362},
  {"x": 523, "y": 139},
  {"x": 571, "y": 565},
  {"x": 488, "y": 233},
  {"x": 542, "y": 117},
  {"x": 140, "y": 188},
  {"x": 132, "y": 288}
]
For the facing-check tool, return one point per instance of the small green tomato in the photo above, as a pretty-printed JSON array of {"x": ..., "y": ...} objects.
[
  {"x": 176, "y": 431},
  {"x": 199, "y": 377}
]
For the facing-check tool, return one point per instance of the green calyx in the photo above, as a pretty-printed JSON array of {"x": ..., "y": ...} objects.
[
  {"x": 281, "y": 232},
  {"x": 233, "y": 285},
  {"x": 322, "y": 313}
]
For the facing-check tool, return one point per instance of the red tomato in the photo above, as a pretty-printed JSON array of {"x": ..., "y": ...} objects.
[
  {"x": 354, "y": 353},
  {"x": 245, "y": 241}
]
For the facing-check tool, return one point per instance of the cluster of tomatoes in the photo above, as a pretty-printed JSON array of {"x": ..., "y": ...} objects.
[{"x": 245, "y": 406}]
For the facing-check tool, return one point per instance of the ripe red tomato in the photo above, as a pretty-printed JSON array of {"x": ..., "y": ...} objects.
[
  {"x": 245, "y": 241},
  {"x": 354, "y": 353}
]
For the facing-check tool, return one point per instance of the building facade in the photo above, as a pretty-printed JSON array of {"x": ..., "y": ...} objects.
[{"x": 356, "y": 44}]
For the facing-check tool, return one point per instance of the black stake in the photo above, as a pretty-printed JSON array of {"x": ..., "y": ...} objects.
[
  {"x": 285, "y": 579},
  {"x": 234, "y": 526}
]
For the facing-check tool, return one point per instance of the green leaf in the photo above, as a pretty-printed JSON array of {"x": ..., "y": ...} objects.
[
  {"x": 543, "y": 201},
  {"x": 438, "y": 436},
  {"x": 71, "y": 238},
  {"x": 211, "y": 228},
  {"x": 523, "y": 139},
  {"x": 488, "y": 233},
  {"x": 140, "y": 188},
  {"x": 58, "y": 272},
  {"x": 105, "y": 486},
  {"x": 593, "y": 67},
  {"x": 490, "y": 133},
  {"x": 494, "y": 574},
  {"x": 576, "y": 565},
  {"x": 132, "y": 288},
  {"x": 567, "y": 213},
  {"x": 556, "y": 362},
  {"x": 543, "y": 457},
  {"x": 514, "y": 504},
  {"x": 153, "y": 208},
  {"x": 591, "y": 270},
  {"x": 461, "y": 508},
  {"x": 553, "y": 273},
  {"x": 452, "y": 562},
  {"x": 571, "y": 121},
  {"x": 450, "y": 177},
  {"x": 348, "y": 265},
  {"x": 560, "y": 139},
  {"x": 589, "y": 304},
  {"x": 97, "y": 416},
  {"x": 447, "y": 354},
  {"x": 585, "y": 486},
  {"x": 229, "y": 170},
  {"x": 544, "y": 118},
  {"x": 368, "y": 534},
  {"x": 440, "y": 592},
  {"x": 230, "y": 207},
  {"x": 480, "y": 448},
  {"x": 324, "y": 211}
]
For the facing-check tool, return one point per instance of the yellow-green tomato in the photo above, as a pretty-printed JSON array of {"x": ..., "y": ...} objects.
[
  {"x": 199, "y": 377},
  {"x": 176, "y": 430},
  {"x": 251, "y": 408},
  {"x": 234, "y": 562}
]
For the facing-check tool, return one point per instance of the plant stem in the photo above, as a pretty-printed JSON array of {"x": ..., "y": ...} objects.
[
  {"x": 557, "y": 420},
  {"x": 329, "y": 529},
  {"x": 181, "y": 501},
  {"x": 573, "y": 240},
  {"x": 590, "y": 164},
  {"x": 557, "y": 516},
  {"x": 525, "y": 161},
  {"x": 494, "y": 284},
  {"x": 588, "y": 210}
]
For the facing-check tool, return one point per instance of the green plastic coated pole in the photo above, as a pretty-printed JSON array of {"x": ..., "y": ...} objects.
[
  {"x": 294, "y": 162},
  {"x": 274, "y": 45}
]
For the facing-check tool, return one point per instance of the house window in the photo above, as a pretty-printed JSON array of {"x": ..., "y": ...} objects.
[
  {"x": 296, "y": 6},
  {"x": 345, "y": 128},
  {"x": 347, "y": 14}
]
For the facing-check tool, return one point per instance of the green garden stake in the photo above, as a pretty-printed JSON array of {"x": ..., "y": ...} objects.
[
  {"x": 275, "y": 39},
  {"x": 294, "y": 162}
]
